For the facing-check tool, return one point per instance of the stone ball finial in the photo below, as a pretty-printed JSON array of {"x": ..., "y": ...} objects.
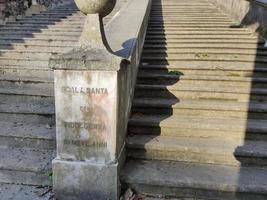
[{"x": 101, "y": 7}]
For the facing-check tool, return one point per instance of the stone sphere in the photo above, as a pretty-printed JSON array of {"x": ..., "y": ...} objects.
[{"x": 101, "y": 7}]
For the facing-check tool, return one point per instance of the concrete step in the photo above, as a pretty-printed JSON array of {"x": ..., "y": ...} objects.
[
  {"x": 197, "y": 126},
  {"x": 15, "y": 108},
  {"x": 178, "y": 20},
  {"x": 204, "y": 36},
  {"x": 258, "y": 73},
  {"x": 24, "y": 192},
  {"x": 39, "y": 37},
  {"x": 177, "y": 29},
  {"x": 42, "y": 26},
  {"x": 27, "y": 160},
  {"x": 28, "y": 135},
  {"x": 175, "y": 17},
  {"x": 26, "y": 55},
  {"x": 243, "y": 94},
  {"x": 40, "y": 29},
  {"x": 37, "y": 47},
  {"x": 18, "y": 73},
  {"x": 27, "y": 88},
  {"x": 204, "y": 40},
  {"x": 194, "y": 32},
  {"x": 211, "y": 81},
  {"x": 35, "y": 33},
  {"x": 220, "y": 109},
  {"x": 26, "y": 178},
  {"x": 205, "y": 65},
  {"x": 27, "y": 166},
  {"x": 202, "y": 56},
  {"x": 197, "y": 181},
  {"x": 46, "y": 23},
  {"x": 5, "y": 62},
  {"x": 198, "y": 150},
  {"x": 188, "y": 25},
  {"x": 200, "y": 52},
  {"x": 26, "y": 42}
]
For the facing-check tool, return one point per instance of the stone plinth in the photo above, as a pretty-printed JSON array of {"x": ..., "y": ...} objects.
[
  {"x": 85, "y": 107},
  {"x": 88, "y": 153}
]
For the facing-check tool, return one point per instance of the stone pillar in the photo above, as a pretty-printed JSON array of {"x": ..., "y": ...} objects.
[{"x": 89, "y": 152}]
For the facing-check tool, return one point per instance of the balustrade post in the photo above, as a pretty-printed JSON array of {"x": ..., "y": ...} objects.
[{"x": 89, "y": 149}]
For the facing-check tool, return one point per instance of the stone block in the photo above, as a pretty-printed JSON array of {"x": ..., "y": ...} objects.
[
  {"x": 85, "y": 180},
  {"x": 86, "y": 110}
]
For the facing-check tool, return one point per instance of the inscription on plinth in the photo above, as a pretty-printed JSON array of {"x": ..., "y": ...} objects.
[{"x": 85, "y": 113}]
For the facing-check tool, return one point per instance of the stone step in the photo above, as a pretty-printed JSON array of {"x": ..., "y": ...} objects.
[
  {"x": 205, "y": 51},
  {"x": 40, "y": 29},
  {"x": 192, "y": 25},
  {"x": 43, "y": 26},
  {"x": 34, "y": 34},
  {"x": 198, "y": 150},
  {"x": 197, "y": 126},
  {"x": 206, "y": 65},
  {"x": 205, "y": 41},
  {"x": 222, "y": 92},
  {"x": 18, "y": 73},
  {"x": 30, "y": 135},
  {"x": 28, "y": 55},
  {"x": 197, "y": 181},
  {"x": 193, "y": 29},
  {"x": 25, "y": 178},
  {"x": 204, "y": 108},
  {"x": 26, "y": 160},
  {"x": 24, "y": 192},
  {"x": 179, "y": 20},
  {"x": 258, "y": 73},
  {"x": 37, "y": 47},
  {"x": 198, "y": 36},
  {"x": 202, "y": 81},
  {"x": 19, "y": 37},
  {"x": 170, "y": 17},
  {"x": 67, "y": 19},
  {"x": 35, "y": 107},
  {"x": 194, "y": 32},
  {"x": 5, "y": 62},
  {"x": 203, "y": 57},
  {"x": 46, "y": 23},
  {"x": 32, "y": 41},
  {"x": 17, "y": 164},
  {"x": 27, "y": 88}
]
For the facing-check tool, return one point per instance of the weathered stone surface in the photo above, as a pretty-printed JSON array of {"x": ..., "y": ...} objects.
[
  {"x": 102, "y": 7},
  {"x": 85, "y": 180},
  {"x": 86, "y": 115}
]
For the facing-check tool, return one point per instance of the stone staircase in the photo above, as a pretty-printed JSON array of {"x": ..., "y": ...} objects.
[
  {"x": 199, "y": 118},
  {"x": 27, "y": 115}
]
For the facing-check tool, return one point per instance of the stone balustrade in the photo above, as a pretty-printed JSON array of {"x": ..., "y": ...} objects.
[
  {"x": 94, "y": 87},
  {"x": 251, "y": 13}
]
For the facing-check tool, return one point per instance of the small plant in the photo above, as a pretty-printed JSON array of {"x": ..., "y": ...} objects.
[{"x": 175, "y": 73}]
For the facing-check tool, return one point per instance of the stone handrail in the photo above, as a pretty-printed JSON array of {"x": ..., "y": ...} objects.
[
  {"x": 94, "y": 87},
  {"x": 250, "y": 13}
]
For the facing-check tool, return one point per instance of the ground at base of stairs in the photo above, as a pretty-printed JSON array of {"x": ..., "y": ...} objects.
[{"x": 22, "y": 192}]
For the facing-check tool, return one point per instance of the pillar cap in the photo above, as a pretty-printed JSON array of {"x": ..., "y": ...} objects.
[{"x": 101, "y": 7}]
